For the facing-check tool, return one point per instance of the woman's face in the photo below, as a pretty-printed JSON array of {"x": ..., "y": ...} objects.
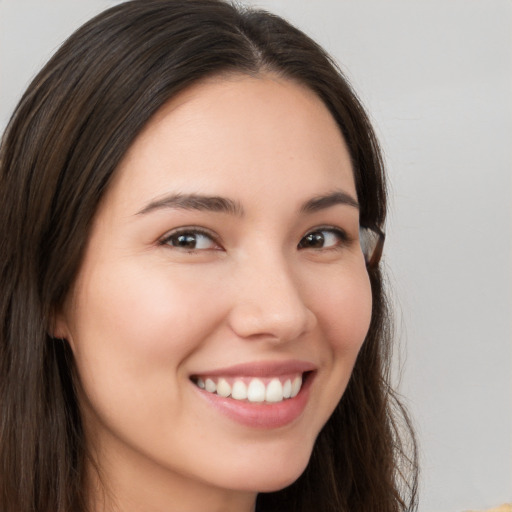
[{"x": 224, "y": 256}]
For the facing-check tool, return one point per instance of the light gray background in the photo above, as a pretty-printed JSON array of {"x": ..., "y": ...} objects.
[{"x": 436, "y": 76}]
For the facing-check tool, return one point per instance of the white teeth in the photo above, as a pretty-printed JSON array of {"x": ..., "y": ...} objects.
[
  {"x": 256, "y": 391},
  {"x": 297, "y": 383},
  {"x": 287, "y": 389},
  {"x": 273, "y": 392},
  {"x": 239, "y": 391},
  {"x": 223, "y": 388},
  {"x": 210, "y": 386}
]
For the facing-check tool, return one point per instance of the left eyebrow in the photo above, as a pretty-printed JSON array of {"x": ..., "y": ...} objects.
[{"x": 326, "y": 201}]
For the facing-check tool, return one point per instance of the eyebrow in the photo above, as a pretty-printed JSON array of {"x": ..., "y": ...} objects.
[
  {"x": 224, "y": 205},
  {"x": 195, "y": 202},
  {"x": 326, "y": 201}
]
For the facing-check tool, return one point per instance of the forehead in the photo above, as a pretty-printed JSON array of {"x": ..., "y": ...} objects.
[{"x": 229, "y": 134}]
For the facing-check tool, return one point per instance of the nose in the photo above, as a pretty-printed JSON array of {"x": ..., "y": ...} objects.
[{"x": 269, "y": 302}]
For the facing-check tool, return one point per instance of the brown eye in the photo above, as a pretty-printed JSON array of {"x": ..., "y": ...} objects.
[
  {"x": 190, "y": 241},
  {"x": 313, "y": 240},
  {"x": 323, "y": 239}
]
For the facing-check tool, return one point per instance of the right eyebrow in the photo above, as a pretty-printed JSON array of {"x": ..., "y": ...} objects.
[{"x": 195, "y": 202}]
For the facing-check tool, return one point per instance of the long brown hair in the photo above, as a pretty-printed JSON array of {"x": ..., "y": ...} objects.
[{"x": 59, "y": 153}]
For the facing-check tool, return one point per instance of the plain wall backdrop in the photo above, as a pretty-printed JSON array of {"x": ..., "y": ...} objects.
[{"x": 436, "y": 77}]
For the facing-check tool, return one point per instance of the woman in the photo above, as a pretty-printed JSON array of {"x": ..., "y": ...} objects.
[{"x": 192, "y": 308}]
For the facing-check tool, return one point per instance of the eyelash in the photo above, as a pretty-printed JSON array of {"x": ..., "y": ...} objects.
[
  {"x": 344, "y": 238},
  {"x": 189, "y": 231}
]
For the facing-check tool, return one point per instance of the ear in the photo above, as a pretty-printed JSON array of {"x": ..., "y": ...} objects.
[{"x": 58, "y": 325}]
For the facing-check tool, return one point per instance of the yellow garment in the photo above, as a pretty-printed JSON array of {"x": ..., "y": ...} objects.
[{"x": 503, "y": 508}]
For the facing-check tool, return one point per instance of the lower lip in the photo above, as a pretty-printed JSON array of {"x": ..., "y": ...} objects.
[{"x": 261, "y": 415}]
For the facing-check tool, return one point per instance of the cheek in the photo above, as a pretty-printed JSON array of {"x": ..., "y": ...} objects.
[
  {"x": 342, "y": 303},
  {"x": 132, "y": 330},
  {"x": 141, "y": 314},
  {"x": 344, "y": 311}
]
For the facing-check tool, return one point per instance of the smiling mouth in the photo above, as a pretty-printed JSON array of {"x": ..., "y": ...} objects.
[{"x": 260, "y": 390}]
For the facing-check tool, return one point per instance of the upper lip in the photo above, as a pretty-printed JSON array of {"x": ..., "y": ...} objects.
[{"x": 261, "y": 369}]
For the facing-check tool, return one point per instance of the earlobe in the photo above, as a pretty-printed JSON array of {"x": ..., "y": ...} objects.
[{"x": 58, "y": 325}]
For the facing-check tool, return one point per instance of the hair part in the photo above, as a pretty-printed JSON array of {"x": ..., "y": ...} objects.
[{"x": 58, "y": 155}]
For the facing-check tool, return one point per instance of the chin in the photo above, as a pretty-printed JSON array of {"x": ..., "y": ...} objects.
[
  {"x": 279, "y": 483},
  {"x": 272, "y": 476}
]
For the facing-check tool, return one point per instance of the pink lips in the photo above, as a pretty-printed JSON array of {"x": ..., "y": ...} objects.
[
  {"x": 262, "y": 369},
  {"x": 262, "y": 415}
]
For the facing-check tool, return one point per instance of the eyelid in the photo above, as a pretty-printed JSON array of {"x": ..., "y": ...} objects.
[
  {"x": 333, "y": 229},
  {"x": 345, "y": 237},
  {"x": 193, "y": 230}
]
